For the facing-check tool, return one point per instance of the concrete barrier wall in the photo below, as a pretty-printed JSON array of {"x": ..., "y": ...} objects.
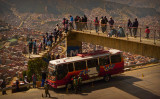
[{"x": 121, "y": 44}]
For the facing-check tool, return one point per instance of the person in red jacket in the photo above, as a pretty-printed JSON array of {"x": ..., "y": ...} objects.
[{"x": 147, "y": 31}]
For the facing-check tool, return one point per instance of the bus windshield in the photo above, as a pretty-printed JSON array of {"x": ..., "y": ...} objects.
[
  {"x": 57, "y": 72},
  {"x": 52, "y": 72}
]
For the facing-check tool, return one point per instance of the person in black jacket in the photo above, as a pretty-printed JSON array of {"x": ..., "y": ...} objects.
[
  {"x": 129, "y": 25},
  {"x": 106, "y": 21},
  {"x": 51, "y": 38},
  {"x": 111, "y": 22},
  {"x": 135, "y": 27},
  {"x": 3, "y": 86},
  {"x": 43, "y": 78},
  {"x": 76, "y": 22},
  {"x": 17, "y": 85},
  {"x": 85, "y": 24}
]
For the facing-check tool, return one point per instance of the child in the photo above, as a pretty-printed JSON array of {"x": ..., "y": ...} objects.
[{"x": 147, "y": 31}]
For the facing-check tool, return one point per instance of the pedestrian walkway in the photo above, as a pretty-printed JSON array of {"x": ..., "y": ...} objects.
[
  {"x": 42, "y": 53},
  {"x": 142, "y": 40}
]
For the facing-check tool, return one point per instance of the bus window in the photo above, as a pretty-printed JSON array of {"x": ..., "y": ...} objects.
[
  {"x": 92, "y": 63},
  {"x": 104, "y": 60},
  {"x": 70, "y": 67},
  {"x": 116, "y": 58},
  {"x": 80, "y": 65},
  {"x": 61, "y": 71}
]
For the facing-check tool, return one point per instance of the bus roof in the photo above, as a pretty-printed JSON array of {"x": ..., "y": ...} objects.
[{"x": 79, "y": 58}]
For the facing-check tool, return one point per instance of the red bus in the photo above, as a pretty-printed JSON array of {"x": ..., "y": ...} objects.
[{"x": 91, "y": 67}]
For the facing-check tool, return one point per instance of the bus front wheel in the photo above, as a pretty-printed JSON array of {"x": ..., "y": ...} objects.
[{"x": 107, "y": 78}]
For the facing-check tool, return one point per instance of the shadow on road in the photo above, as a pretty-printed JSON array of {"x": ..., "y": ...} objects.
[{"x": 124, "y": 83}]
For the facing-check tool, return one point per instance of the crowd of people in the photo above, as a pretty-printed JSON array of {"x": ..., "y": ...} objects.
[
  {"x": 46, "y": 42},
  {"x": 82, "y": 23},
  {"x": 49, "y": 39}
]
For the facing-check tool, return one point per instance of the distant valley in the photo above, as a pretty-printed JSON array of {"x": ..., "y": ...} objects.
[{"x": 39, "y": 13}]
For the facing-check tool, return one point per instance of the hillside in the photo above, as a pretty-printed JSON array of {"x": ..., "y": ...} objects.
[
  {"x": 39, "y": 13},
  {"x": 140, "y": 3},
  {"x": 76, "y": 7},
  {"x": 4, "y": 8}
]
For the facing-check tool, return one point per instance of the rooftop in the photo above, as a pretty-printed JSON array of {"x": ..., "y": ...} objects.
[{"x": 83, "y": 57}]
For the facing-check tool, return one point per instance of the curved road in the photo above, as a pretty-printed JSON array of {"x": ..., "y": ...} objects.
[{"x": 136, "y": 84}]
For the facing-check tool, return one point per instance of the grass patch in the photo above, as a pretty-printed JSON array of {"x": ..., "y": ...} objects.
[{"x": 12, "y": 40}]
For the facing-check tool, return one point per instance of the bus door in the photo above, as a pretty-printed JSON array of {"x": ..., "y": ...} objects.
[
  {"x": 93, "y": 67},
  {"x": 105, "y": 62}
]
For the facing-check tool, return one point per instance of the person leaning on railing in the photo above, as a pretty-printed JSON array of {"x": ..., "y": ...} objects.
[
  {"x": 111, "y": 22},
  {"x": 76, "y": 22},
  {"x": 147, "y": 31},
  {"x": 103, "y": 27},
  {"x": 129, "y": 25},
  {"x": 96, "y": 23},
  {"x": 85, "y": 22},
  {"x": 135, "y": 27}
]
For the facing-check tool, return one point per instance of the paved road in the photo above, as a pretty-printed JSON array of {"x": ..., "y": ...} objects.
[{"x": 137, "y": 84}]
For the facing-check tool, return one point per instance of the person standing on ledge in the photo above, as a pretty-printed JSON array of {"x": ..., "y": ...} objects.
[
  {"x": 135, "y": 27},
  {"x": 111, "y": 22},
  {"x": 147, "y": 31},
  {"x": 30, "y": 43},
  {"x": 71, "y": 22},
  {"x": 96, "y": 22},
  {"x": 129, "y": 25},
  {"x": 46, "y": 87}
]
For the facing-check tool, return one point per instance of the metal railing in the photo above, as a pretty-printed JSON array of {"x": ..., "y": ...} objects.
[{"x": 90, "y": 27}]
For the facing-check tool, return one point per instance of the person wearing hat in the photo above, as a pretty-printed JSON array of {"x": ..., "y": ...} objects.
[
  {"x": 121, "y": 32},
  {"x": 113, "y": 32}
]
